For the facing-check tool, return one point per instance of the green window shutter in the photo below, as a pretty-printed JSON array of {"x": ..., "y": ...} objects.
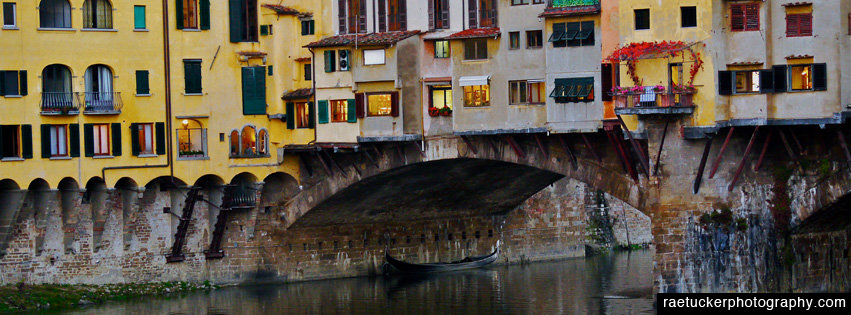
[
  {"x": 178, "y": 12},
  {"x": 142, "y": 82},
  {"x": 330, "y": 60},
  {"x": 74, "y": 140},
  {"x": 237, "y": 27},
  {"x": 351, "y": 111},
  {"x": 270, "y": 68},
  {"x": 1, "y": 138},
  {"x": 311, "y": 27},
  {"x": 311, "y": 116},
  {"x": 45, "y": 141},
  {"x": 159, "y": 128},
  {"x": 192, "y": 76},
  {"x": 304, "y": 28},
  {"x": 27, "y": 141},
  {"x": 2, "y": 83},
  {"x": 139, "y": 17},
  {"x": 253, "y": 91},
  {"x": 323, "y": 112},
  {"x": 291, "y": 115},
  {"x": 205, "y": 14},
  {"x": 89, "y": 139},
  {"x": 23, "y": 82},
  {"x": 134, "y": 139},
  {"x": 264, "y": 30},
  {"x": 116, "y": 139},
  {"x": 819, "y": 77}
]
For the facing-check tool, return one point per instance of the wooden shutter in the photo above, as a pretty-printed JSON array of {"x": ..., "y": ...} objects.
[
  {"x": 819, "y": 77},
  {"x": 237, "y": 22},
  {"x": 323, "y": 111},
  {"x": 134, "y": 139},
  {"x": 792, "y": 25},
  {"x": 253, "y": 91},
  {"x": 192, "y": 76},
  {"x": 752, "y": 17},
  {"x": 606, "y": 81},
  {"x": 350, "y": 111},
  {"x": 264, "y": 30},
  {"x": 472, "y": 13},
  {"x": 178, "y": 14},
  {"x": 403, "y": 15},
  {"x": 142, "y": 82},
  {"x": 116, "y": 139},
  {"x": 27, "y": 141},
  {"x": 331, "y": 60},
  {"x": 311, "y": 116},
  {"x": 22, "y": 81},
  {"x": 89, "y": 139},
  {"x": 74, "y": 140},
  {"x": 444, "y": 14},
  {"x": 1, "y": 143},
  {"x": 291, "y": 113},
  {"x": 160, "y": 136},
  {"x": 382, "y": 16},
  {"x": 780, "y": 80},
  {"x": 394, "y": 104},
  {"x": 341, "y": 15},
  {"x": 362, "y": 16},
  {"x": 766, "y": 81},
  {"x": 360, "y": 104},
  {"x": 725, "y": 82},
  {"x": 737, "y": 17},
  {"x": 204, "y": 10},
  {"x": 492, "y": 13},
  {"x": 431, "y": 15},
  {"x": 805, "y": 26},
  {"x": 45, "y": 141}
]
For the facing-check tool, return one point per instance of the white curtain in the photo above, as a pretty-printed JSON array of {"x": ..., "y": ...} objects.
[
  {"x": 53, "y": 148},
  {"x": 60, "y": 138},
  {"x": 149, "y": 138},
  {"x": 105, "y": 83}
]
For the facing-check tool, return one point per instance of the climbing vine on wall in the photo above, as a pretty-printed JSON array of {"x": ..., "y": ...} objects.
[{"x": 633, "y": 52}]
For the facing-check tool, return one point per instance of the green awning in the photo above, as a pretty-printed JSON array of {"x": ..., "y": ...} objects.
[{"x": 573, "y": 87}]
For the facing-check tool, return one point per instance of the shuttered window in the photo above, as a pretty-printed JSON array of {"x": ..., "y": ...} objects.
[
  {"x": 243, "y": 20},
  {"x": 54, "y": 141},
  {"x": 322, "y": 110},
  {"x": 13, "y": 83},
  {"x": 291, "y": 115},
  {"x": 744, "y": 17},
  {"x": 142, "y": 84},
  {"x": 139, "y": 21},
  {"x": 142, "y": 139},
  {"x": 330, "y": 60},
  {"x": 798, "y": 25},
  {"x": 253, "y": 91},
  {"x": 438, "y": 14},
  {"x": 192, "y": 76}
]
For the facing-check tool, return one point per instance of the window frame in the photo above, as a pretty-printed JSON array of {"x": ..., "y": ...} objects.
[
  {"x": 469, "y": 96},
  {"x": 302, "y": 120},
  {"x": 444, "y": 88},
  {"x": 527, "y": 92},
  {"x": 476, "y": 44},
  {"x": 66, "y": 15},
  {"x": 369, "y": 108},
  {"x": 736, "y": 81},
  {"x": 308, "y": 27},
  {"x": 141, "y": 134},
  {"x": 519, "y": 2},
  {"x": 99, "y": 137},
  {"x": 810, "y": 79},
  {"x": 538, "y": 36},
  {"x": 189, "y": 132},
  {"x": 569, "y": 96},
  {"x": 799, "y": 30},
  {"x": 308, "y": 71},
  {"x": 642, "y": 27},
  {"x": 446, "y": 50},
  {"x": 187, "y": 76},
  {"x": 17, "y": 145},
  {"x": 14, "y": 15},
  {"x": 683, "y": 16},
  {"x": 55, "y": 139},
  {"x": 747, "y": 18},
  {"x": 144, "y": 17},
  {"x": 94, "y": 14},
  {"x": 374, "y": 63},
  {"x": 340, "y": 105},
  {"x": 10, "y": 79},
  {"x": 514, "y": 39}
]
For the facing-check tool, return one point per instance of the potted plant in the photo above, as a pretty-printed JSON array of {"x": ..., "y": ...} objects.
[
  {"x": 433, "y": 111},
  {"x": 445, "y": 111}
]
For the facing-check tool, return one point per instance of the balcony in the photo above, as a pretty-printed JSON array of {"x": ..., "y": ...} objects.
[
  {"x": 239, "y": 197},
  {"x": 651, "y": 100},
  {"x": 59, "y": 103},
  {"x": 102, "y": 103}
]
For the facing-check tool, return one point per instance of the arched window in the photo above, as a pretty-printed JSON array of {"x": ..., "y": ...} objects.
[
  {"x": 56, "y": 87},
  {"x": 97, "y": 14},
  {"x": 99, "y": 89},
  {"x": 262, "y": 142},
  {"x": 249, "y": 141},
  {"x": 54, "y": 14},
  {"x": 234, "y": 143}
]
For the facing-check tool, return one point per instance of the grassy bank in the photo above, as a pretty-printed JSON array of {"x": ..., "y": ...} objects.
[{"x": 22, "y": 297}]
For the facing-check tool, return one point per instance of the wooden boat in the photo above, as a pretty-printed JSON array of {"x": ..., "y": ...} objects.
[{"x": 466, "y": 263}]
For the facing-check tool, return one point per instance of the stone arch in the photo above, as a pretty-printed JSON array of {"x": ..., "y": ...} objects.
[
  {"x": 129, "y": 191},
  {"x": 278, "y": 189},
  {"x": 95, "y": 197},
  {"x": 40, "y": 198},
  {"x": 11, "y": 198},
  {"x": 244, "y": 178},
  {"x": 69, "y": 201},
  {"x": 213, "y": 191}
]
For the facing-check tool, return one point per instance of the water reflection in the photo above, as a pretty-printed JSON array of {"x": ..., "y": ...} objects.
[{"x": 613, "y": 284}]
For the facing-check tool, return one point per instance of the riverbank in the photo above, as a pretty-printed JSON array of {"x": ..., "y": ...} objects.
[{"x": 24, "y": 297}]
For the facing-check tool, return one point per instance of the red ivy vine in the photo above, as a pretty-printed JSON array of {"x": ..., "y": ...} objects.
[{"x": 664, "y": 49}]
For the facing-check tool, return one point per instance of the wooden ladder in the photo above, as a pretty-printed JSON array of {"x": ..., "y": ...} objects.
[
  {"x": 215, "y": 250},
  {"x": 180, "y": 237}
]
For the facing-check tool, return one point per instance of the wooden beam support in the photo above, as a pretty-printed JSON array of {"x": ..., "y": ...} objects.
[
  {"x": 334, "y": 163},
  {"x": 369, "y": 157},
  {"x": 306, "y": 163},
  {"x": 401, "y": 152},
  {"x": 492, "y": 145},
  {"x": 541, "y": 146},
  {"x": 470, "y": 145},
  {"x": 569, "y": 151},
  {"x": 591, "y": 148},
  {"x": 721, "y": 153},
  {"x": 844, "y": 145},
  {"x": 626, "y": 163},
  {"x": 355, "y": 166},
  {"x": 797, "y": 142},
  {"x": 325, "y": 163},
  {"x": 514, "y": 145},
  {"x": 764, "y": 149},
  {"x": 378, "y": 152},
  {"x": 661, "y": 145},
  {"x": 644, "y": 162},
  {"x": 696, "y": 187},
  {"x": 421, "y": 150},
  {"x": 744, "y": 159}
]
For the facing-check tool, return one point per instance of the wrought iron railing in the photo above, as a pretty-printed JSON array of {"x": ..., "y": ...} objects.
[
  {"x": 239, "y": 196},
  {"x": 59, "y": 103},
  {"x": 102, "y": 102},
  {"x": 654, "y": 99}
]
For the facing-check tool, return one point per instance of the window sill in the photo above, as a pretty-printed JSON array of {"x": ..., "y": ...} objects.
[
  {"x": 535, "y": 47},
  {"x": 249, "y": 156},
  {"x": 103, "y": 157},
  {"x": 191, "y": 30},
  {"x": 148, "y": 155},
  {"x": 56, "y": 29},
  {"x": 98, "y": 30},
  {"x": 528, "y": 104},
  {"x": 197, "y": 158},
  {"x": 144, "y": 94},
  {"x": 800, "y": 91},
  {"x": 474, "y": 60},
  {"x": 10, "y": 27},
  {"x": 60, "y": 158},
  {"x": 12, "y": 96},
  {"x": 482, "y": 106},
  {"x": 141, "y": 30},
  {"x": 11, "y": 159},
  {"x": 193, "y": 94}
]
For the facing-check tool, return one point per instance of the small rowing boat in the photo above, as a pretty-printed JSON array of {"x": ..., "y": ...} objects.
[{"x": 466, "y": 263}]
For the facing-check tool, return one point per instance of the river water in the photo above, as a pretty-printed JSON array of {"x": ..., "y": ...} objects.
[{"x": 617, "y": 283}]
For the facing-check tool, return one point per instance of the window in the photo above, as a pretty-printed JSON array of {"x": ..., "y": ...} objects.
[
  {"x": 351, "y": 16},
  {"x": 441, "y": 96},
  {"x": 438, "y": 14},
  {"x": 519, "y": 2},
  {"x": 248, "y": 141},
  {"x": 191, "y": 140},
  {"x": 744, "y": 17},
  {"x": 100, "y": 139},
  {"x": 302, "y": 115},
  {"x": 801, "y": 78},
  {"x": 97, "y": 14},
  {"x": 145, "y": 139},
  {"x": 642, "y": 19},
  {"x": 747, "y": 82},
  {"x": 373, "y": 57},
  {"x": 688, "y": 16},
  {"x": 330, "y": 60},
  {"x": 482, "y": 13},
  {"x": 537, "y": 1},
  {"x": 98, "y": 96},
  {"x": 379, "y": 104},
  {"x": 534, "y": 39},
  {"x": 441, "y": 49},
  {"x": 477, "y": 95},
  {"x": 10, "y": 140},
  {"x": 142, "y": 83},
  {"x": 799, "y": 25},
  {"x": 243, "y": 21},
  {"x": 307, "y": 27},
  {"x": 253, "y": 90},
  {"x": 573, "y": 90},
  {"x": 339, "y": 110},
  {"x": 476, "y": 49},
  {"x": 13, "y": 83},
  {"x": 262, "y": 142},
  {"x": 308, "y": 74},
  {"x": 54, "y": 14},
  {"x": 573, "y": 34},
  {"x": 56, "y": 87},
  {"x": 526, "y": 92},
  {"x": 58, "y": 140},
  {"x": 192, "y": 76},
  {"x": 139, "y": 21},
  {"x": 190, "y": 14},
  {"x": 234, "y": 143},
  {"x": 9, "y": 15},
  {"x": 397, "y": 15},
  {"x": 514, "y": 39}
]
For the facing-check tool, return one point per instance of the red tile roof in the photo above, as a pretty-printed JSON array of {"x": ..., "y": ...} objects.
[
  {"x": 745, "y": 63},
  {"x": 799, "y": 56},
  {"x": 385, "y": 38},
  {"x": 571, "y": 11},
  {"x": 302, "y": 59},
  {"x": 281, "y": 10},
  {"x": 297, "y": 94},
  {"x": 793, "y": 4},
  {"x": 475, "y": 33}
]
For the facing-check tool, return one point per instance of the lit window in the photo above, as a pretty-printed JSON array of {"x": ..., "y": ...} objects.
[
  {"x": 234, "y": 143},
  {"x": 302, "y": 115},
  {"x": 379, "y": 104},
  {"x": 262, "y": 141},
  {"x": 802, "y": 78},
  {"x": 441, "y": 96},
  {"x": 747, "y": 81},
  {"x": 339, "y": 110},
  {"x": 192, "y": 139},
  {"x": 441, "y": 49},
  {"x": 477, "y": 95},
  {"x": 248, "y": 141},
  {"x": 101, "y": 139},
  {"x": 146, "y": 138}
]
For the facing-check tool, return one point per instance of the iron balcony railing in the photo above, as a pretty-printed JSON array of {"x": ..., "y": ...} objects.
[
  {"x": 102, "y": 102},
  {"x": 652, "y": 98},
  {"x": 59, "y": 103},
  {"x": 238, "y": 196}
]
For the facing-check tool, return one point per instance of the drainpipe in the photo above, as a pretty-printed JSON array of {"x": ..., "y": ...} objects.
[
  {"x": 167, "y": 65},
  {"x": 313, "y": 83}
]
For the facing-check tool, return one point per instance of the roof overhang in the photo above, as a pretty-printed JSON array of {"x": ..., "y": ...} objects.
[{"x": 474, "y": 80}]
